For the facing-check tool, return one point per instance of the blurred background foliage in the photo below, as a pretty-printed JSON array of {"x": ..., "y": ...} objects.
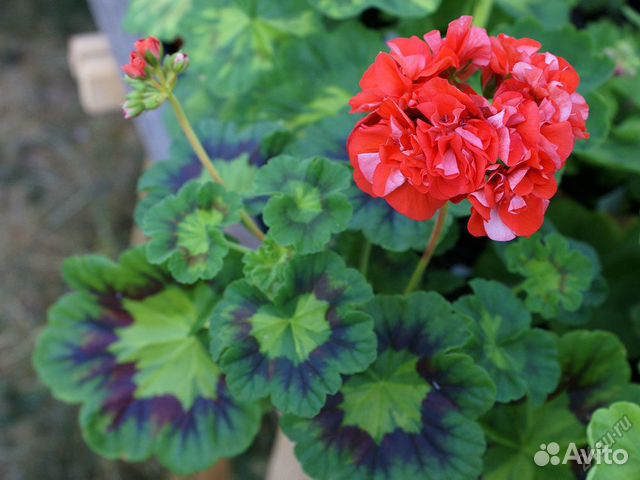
[{"x": 285, "y": 68}]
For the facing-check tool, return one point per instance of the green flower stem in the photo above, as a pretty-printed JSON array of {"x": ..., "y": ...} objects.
[
  {"x": 239, "y": 248},
  {"x": 422, "y": 265},
  {"x": 364, "y": 258},
  {"x": 481, "y": 12},
  {"x": 206, "y": 161}
]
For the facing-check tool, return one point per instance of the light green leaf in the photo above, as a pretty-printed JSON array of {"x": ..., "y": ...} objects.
[
  {"x": 171, "y": 361},
  {"x": 616, "y": 427},
  {"x": 234, "y": 42},
  {"x": 350, "y": 8},
  {"x": 557, "y": 274},
  {"x": 162, "y": 18},
  {"x": 127, "y": 345},
  {"x": 266, "y": 267}
]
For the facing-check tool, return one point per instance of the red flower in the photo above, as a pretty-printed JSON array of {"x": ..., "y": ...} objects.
[
  {"x": 430, "y": 138},
  {"x": 413, "y": 61},
  {"x": 149, "y": 48},
  {"x": 137, "y": 66}
]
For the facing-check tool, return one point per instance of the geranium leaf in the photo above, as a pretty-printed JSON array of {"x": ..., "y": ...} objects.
[
  {"x": 551, "y": 14},
  {"x": 236, "y": 153},
  {"x": 517, "y": 431},
  {"x": 411, "y": 413},
  {"x": 162, "y": 18},
  {"x": 266, "y": 268},
  {"x": 127, "y": 344},
  {"x": 307, "y": 90},
  {"x": 595, "y": 370},
  {"x": 384, "y": 226},
  {"x": 518, "y": 359},
  {"x": 556, "y": 274},
  {"x": 234, "y": 42},
  {"x": 295, "y": 347},
  {"x": 617, "y": 427},
  {"x": 185, "y": 230},
  {"x": 350, "y": 8},
  {"x": 307, "y": 204}
]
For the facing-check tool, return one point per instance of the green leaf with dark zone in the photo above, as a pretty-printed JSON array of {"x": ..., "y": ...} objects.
[
  {"x": 126, "y": 344},
  {"x": 520, "y": 360},
  {"x": 236, "y": 153},
  {"x": 186, "y": 230},
  {"x": 595, "y": 371},
  {"x": 340, "y": 9},
  {"x": 295, "y": 347},
  {"x": 307, "y": 203},
  {"x": 576, "y": 46},
  {"x": 557, "y": 273},
  {"x": 412, "y": 413},
  {"x": 517, "y": 431},
  {"x": 617, "y": 427}
]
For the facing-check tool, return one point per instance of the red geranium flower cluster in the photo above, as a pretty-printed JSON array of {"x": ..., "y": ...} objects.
[
  {"x": 430, "y": 138},
  {"x": 146, "y": 50}
]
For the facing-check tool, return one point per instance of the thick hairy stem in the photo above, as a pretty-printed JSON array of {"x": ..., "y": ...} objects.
[{"x": 423, "y": 263}]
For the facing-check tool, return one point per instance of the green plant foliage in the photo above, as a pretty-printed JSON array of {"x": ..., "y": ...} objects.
[
  {"x": 551, "y": 14},
  {"x": 185, "y": 230},
  {"x": 127, "y": 345},
  {"x": 235, "y": 41},
  {"x": 519, "y": 359},
  {"x": 266, "y": 268},
  {"x": 308, "y": 89},
  {"x": 162, "y": 18},
  {"x": 411, "y": 413},
  {"x": 236, "y": 151},
  {"x": 383, "y": 226},
  {"x": 351, "y": 8},
  {"x": 294, "y": 348},
  {"x": 307, "y": 203},
  {"x": 617, "y": 427},
  {"x": 515, "y": 433},
  {"x": 595, "y": 371},
  {"x": 174, "y": 351},
  {"x": 557, "y": 274}
]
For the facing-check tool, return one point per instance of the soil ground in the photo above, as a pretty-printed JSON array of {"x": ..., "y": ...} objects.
[{"x": 67, "y": 186}]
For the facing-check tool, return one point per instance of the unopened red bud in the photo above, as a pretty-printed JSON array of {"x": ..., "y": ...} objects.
[
  {"x": 136, "y": 68},
  {"x": 150, "y": 49}
]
